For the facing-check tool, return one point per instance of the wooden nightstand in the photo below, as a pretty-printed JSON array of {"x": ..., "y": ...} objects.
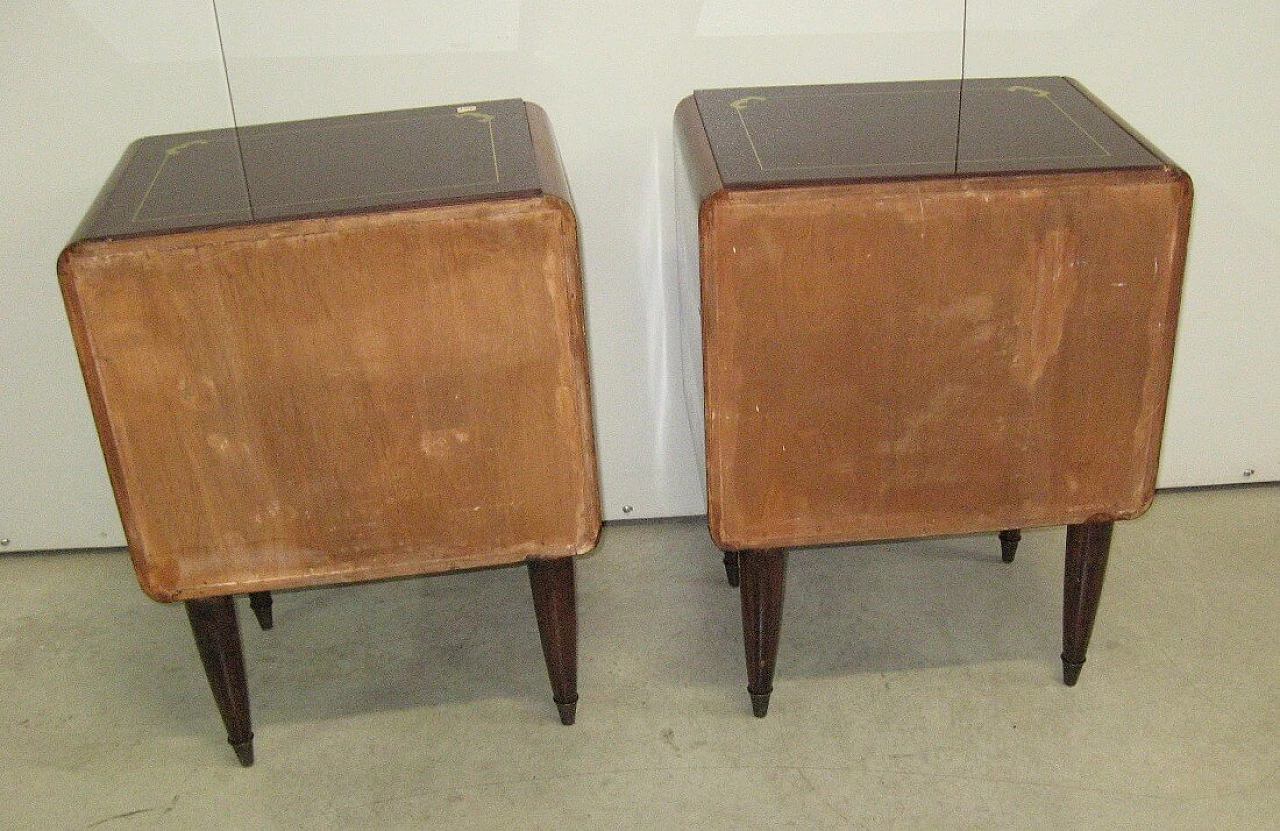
[
  {"x": 924, "y": 315},
  {"x": 340, "y": 350}
]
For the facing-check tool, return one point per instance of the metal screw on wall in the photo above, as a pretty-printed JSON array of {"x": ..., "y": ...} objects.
[
  {"x": 1248, "y": 473},
  {"x": 626, "y": 509},
  {"x": 4, "y": 541}
]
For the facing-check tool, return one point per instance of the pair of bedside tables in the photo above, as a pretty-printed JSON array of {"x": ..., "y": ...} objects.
[{"x": 352, "y": 349}]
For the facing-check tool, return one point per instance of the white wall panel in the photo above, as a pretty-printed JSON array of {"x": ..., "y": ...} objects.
[
  {"x": 79, "y": 81},
  {"x": 1198, "y": 80}
]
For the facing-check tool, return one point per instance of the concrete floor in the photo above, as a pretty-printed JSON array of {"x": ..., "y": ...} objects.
[{"x": 918, "y": 685}]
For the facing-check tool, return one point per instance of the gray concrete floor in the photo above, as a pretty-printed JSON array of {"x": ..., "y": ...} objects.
[{"x": 918, "y": 685}]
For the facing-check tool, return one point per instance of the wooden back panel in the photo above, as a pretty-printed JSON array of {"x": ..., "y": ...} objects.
[
  {"x": 339, "y": 399},
  {"x": 908, "y": 358}
]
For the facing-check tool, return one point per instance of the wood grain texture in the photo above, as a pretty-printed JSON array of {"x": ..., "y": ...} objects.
[
  {"x": 341, "y": 399},
  {"x": 909, "y": 358}
]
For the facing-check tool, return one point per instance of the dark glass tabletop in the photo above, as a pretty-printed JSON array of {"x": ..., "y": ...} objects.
[
  {"x": 845, "y": 132},
  {"x": 297, "y": 169}
]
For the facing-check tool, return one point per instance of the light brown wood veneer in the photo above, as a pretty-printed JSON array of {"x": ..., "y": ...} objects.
[
  {"x": 344, "y": 398},
  {"x": 939, "y": 356}
]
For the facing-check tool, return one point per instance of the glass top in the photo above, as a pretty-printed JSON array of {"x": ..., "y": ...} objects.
[
  {"x": 778, "y": 135},
  {"x": 296, "y": 169}
]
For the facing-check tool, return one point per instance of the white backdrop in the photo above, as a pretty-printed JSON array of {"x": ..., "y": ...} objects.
[{"x": 82, "y": 79}]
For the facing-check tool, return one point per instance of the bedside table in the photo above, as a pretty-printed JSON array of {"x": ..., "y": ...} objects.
[
  {"x": 340, "y": 350},
  {"x": 921, "y": 316}
]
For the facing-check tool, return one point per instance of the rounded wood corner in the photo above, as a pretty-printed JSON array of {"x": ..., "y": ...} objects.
[
  {"x": 1148, "y": 498},
  {"x": 72, "y": 253},
  {"x": 1182, "y": 180},
  {"x": 65, "y": 257},
  {"x": 161, "y": 592},
  {"x": 722, "y": 541},
  {"x": 708, "y": 207},
  {"x": 571, "y": 237},
  {"x": 591, "y": 538},
  {"x": 557, "y": 203}
]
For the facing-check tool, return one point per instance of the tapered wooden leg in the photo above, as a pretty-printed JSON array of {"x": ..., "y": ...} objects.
[
  {"x": 731, "y": 568},
  {"x": 1087, "y": 548},
  {"x": 555, "y": 604},
  {"x": 763, "y": 583},
  {"x": 213, "y": 621},
  {"x": 1009, "y": 544},
  {"x": 260, "y": 602}
]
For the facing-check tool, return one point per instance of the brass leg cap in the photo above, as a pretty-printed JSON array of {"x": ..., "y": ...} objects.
[{"x": 568, "y": 711}]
